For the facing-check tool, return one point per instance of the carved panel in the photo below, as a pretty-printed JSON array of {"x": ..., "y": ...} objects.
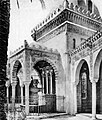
[
  {"x": 40, "y": 54},
  {"x": 81, "y": 54}
]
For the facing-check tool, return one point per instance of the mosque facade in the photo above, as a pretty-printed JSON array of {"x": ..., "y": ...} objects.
[{"x": 61, "y": 72}]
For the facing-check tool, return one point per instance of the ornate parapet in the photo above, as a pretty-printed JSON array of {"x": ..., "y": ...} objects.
[
  {"x": 87, "y": 43},
  {"x": 68, "y": 13}
]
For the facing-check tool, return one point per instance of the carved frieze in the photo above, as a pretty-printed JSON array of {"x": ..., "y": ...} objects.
[
  {"x": 81, "y": 54},
  {"x": 40, "y": 54}
]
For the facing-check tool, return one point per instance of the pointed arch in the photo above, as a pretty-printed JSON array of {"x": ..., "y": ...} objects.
[
  {"x": 51, "y": 63},
  {"x": 77, "y": 72},
  {"x": 16, "y": 67},
  {"x": 97, "y": 65}
]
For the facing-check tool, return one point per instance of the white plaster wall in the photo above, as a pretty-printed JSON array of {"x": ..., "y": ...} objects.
[{"x": 77, "y": 37}]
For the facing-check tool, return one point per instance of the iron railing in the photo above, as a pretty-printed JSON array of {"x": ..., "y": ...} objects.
[{"x": 43, "y": 104}]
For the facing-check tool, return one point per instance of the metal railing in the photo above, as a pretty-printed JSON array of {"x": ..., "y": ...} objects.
[{"x": 42, "y": 104}]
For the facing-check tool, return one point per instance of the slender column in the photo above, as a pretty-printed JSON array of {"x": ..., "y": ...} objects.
[
  {"x": 75, "y": 98},
  {"x": 14, "y": 83},
  {"x": 7, "y": 86},
  {"x": 7, "y": 94},
  {"x": 22, "y": 94},
  {"x": 93, "y": 99},
  {"x": 47, "y": 82},
  {"x": 51, "y": 81},
  {"x": 43, "y": 81},
  {"x": 13, "y": 89},
  {"x": 27, "y": 96}
]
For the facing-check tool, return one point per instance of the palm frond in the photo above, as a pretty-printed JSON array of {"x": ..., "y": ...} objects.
[
  {"x": 42, "y": 3},
  {"x": 18, "y": 4}
]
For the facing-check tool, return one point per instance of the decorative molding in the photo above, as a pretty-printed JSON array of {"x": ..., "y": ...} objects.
[
  {"x": 40, "y": 54},
  {"x": 70, "y": 28},
  {"x": 85, "y": 45},
  {"x": 67, "y": 15}
]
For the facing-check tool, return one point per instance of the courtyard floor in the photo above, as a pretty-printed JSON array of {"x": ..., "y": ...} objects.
[
  {"x": 82, "y": 116},
  {"x": 77, "y": 117}
]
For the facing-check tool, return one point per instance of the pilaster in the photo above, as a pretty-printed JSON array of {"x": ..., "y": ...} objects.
[{"x": 67, "y": 75}]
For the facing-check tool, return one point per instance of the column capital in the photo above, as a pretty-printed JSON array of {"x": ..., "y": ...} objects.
[
  {"x": 26, "y": 82},
  {"x": 14, "y": 83},
  {"x": 95, "y": 80},
  {"x": 7, "y": 83}
]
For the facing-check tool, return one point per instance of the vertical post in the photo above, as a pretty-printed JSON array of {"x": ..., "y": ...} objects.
[
  {"x": 43, "y": 81},
  {"x": 47, "y": 82},
  {"x": 7, "y": 86},
  {"x": 51, "y": 81},
  {"x": 67, "y": 74},
  {"x": 27, "y": 77},
  {"x": 27, "y": 97},
  {"x": 75, "y": 98},
  {"x": 13, "y": 91},
  {"x": 22, "y": 94},
  {"x": 7, "y": 94},
  {"x": 14, "y": 83},
  {"x": 93, "y": 99}
]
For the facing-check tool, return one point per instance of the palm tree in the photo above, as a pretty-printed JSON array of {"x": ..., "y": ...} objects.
[
  {"x": 41, "y": 1},
  {"x": 4, "y": 31}
]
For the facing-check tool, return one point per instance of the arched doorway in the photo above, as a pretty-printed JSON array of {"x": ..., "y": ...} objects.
[
  {"x": 84, "y": 92},
  {"x": 98, "y": 77},
  {"x": 44, "y": 77},
  {"x": 47, "y": 76},
  {"x": 99, "y": 91},
  {"x": 17, "y": 75}
]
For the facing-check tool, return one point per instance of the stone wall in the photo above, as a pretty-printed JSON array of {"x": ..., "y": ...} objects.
[{"x": 4, "y": 31}]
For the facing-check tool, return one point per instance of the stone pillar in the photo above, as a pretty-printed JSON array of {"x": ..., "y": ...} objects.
[
  {"x": 75, "y": 98},
  {"x": 51, "y": 82},
  {"x": 7, "y": 86},
  {"x": 43, "y": 81},
  {"x": 93, "y": 99},
  {"x": 67, "y": 75},
  {"x": 7, "y": 94},
  {"x": 27, "y": 96},
  {"x": 14, "y": 83},
  {"x": 21, "y": 94},
  {"x": 47, "y": 82}
]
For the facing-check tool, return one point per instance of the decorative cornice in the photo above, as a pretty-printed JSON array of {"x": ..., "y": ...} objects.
[
  {"x": 73, "y": 14},
  {"x": 40, "y": 51}
]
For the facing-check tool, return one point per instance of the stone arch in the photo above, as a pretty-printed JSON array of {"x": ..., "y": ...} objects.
[
  {"x": 51, "y": 63},
  {"x": 83, "y": 87},
  {"x": 78, "y": 70},
  {"x": 15, "y": 69},
  {"x": 97, "y": 64}
]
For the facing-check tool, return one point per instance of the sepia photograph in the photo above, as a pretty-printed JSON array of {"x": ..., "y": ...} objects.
[{"x": 50, "y": 59}]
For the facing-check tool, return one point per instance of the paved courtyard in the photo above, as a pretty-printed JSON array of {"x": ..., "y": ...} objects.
[{"x": 77, "y": 117}]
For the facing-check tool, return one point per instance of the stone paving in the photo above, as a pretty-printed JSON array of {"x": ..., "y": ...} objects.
[
  {"x": 77, "y": 117},
  {"x": 81, "y": 116}
]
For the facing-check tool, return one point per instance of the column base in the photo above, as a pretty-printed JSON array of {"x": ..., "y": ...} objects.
[{"x": 94, "y": 118}]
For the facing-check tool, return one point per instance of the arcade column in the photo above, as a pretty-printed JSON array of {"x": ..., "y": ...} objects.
[
  {"x": 26, "y": 83},
  {"x": 14, "y": 83},
  {"x": 21, "y": 85},
  {"x": 94, "y": 99}
]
